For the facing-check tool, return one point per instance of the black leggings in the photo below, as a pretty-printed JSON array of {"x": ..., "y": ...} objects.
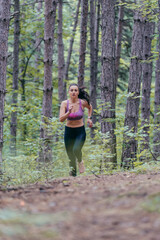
[{"x": 74, "y": 139}]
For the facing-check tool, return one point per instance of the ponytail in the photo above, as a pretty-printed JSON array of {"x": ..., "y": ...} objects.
[{"x": 82, "y": 93}]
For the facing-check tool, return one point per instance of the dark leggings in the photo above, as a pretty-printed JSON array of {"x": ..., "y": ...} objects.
[{"x": 74, "y": 139}]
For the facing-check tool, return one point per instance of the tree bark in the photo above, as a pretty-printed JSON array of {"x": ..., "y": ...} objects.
[
  {"x": 45, "y": 154},
  {"x": 146, "y": 83},
  {"x": 4, "y": 28},
  {"x": 129, "y": 150},
  {"x": 156, "y": 139},
  {"x": 97, "y": 25},
  {"x": 108, "y": 87},
  {"x": 70, "y": 48},
  {"x": 93, "y": 35},
  {"x": 83, "y": 39},
  {"x": 15, "y": 77},
  {"x": 61, "y": 63},
  {"x": 119, "y": 37}
]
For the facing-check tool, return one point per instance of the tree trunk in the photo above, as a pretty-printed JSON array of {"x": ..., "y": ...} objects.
[
  {"x": 83, "y": 39},
  {"x": 119, "y": 37},
  {"x": 97, "y": 25},
  {"x": 108, "y": 87},
  {"x": 61, "y": 63},
  {"x": 4, "y": 28},
  {"x": 70, "y": 48},
  {"x": 156, "y": 139},
  {"x": 46, "y": 136},
  {"x": 93, "y": 92},
  {"x": 146, "y": 83},
  {"x": 15, "y": 77},
  {"x": 129, "y": 150}
]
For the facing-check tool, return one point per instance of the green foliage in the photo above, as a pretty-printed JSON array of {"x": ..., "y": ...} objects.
[{"x": 24, "y": 168}]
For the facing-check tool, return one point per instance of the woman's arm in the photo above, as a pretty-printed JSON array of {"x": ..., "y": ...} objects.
[
  {"x": 89, "y": 107},
  {"x": 62, "y": 114}
]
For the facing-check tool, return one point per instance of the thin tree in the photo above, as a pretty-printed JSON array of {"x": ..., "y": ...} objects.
[
  {"x": 61, "y": 63},
  {"x": 108, "y": 86},
  {"x": 119, "y": 36},
  {"x": 23, "y": 85},
  {"x": 37, "y": 43},
  {"x": 15, "y": 76},
  {"x": 97, "y": 26},
  {"x": 4, "y": 28},
  {"x": 70, "y": 47},
  {"x": 146, "y": 82},
  {"x": 156, "y": 139},
  {"x": 129, "y": 150},
  {"x": 45, "y": 154},
  {"x": 93, "y": 83},
  {"x": 83, "y": 39}
]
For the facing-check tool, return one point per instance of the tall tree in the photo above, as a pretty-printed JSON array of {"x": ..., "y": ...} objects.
[
  {"x": 61, "y": 63},
  {"x": 83, "y": 38},
  {"x": 4, "y": 28},
  {"x": 108, "y": 86},
  {"x": 15, "y": 76},
  {"x": 45, "y": 134},
  {"x": 97, "y": 26},
  {"x": 119, "y": 36},
  {"x": 93, "y": 83},
  {"x": 156, "y": 139},
  {"x": 146, "y": 81},
  {"x": 70, "y": 47},
  {"x": 129, "y": 150}
]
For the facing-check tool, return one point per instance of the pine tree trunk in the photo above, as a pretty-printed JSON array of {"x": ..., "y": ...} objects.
[
  {"x": 15, "y": 77},
  {"x": 97, "y": 25},
  {"x": 119, "y": 37},
  {"x": 129, "y": 150},
  {"x": 45, "y": 154},
  {"x": 70, "y": 48},
  {"x": 23, "y": 99},
  {"x": 4, "y": 28},
  {"x": 83, "y": 39},
  {"x": 156, "y": 139},
  {"x": 93, "y": 92},
  {"x": 146, "y": 83},
  {"x": 61, "y": 63},
  {"x": 108, "y": 87}
]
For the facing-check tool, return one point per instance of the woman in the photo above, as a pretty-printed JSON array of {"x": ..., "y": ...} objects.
[{"x": 72, "y": 109}]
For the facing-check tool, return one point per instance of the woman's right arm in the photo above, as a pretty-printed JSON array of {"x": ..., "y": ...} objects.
[{"x": 62, "y": 114}]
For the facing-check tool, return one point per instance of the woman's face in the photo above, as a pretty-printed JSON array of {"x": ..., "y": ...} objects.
[{"x": 73, "y": 92}]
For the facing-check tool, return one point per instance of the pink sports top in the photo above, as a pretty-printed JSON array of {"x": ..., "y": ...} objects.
[{"x": 76, "y": 115}]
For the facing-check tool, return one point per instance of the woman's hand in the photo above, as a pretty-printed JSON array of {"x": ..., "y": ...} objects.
[
  {"x": 90, "y": 123},
  {"x": 70, "y": 108}
]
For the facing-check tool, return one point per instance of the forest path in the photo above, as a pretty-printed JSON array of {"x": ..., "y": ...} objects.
[{"x": 120, "y": 206}]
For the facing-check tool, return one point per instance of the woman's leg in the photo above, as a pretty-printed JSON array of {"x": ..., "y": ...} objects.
[
  {"x": 79, "y": 142},
  {"x": 69, "y": 144}
]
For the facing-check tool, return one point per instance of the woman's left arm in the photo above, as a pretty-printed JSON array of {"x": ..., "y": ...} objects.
[{"x": 89, "y": 107}]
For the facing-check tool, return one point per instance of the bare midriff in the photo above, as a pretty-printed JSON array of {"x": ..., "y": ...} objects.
[{"x": 75, "y": 123}]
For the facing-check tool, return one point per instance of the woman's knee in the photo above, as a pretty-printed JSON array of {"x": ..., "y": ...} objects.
[{"x": 77, "y": 152}]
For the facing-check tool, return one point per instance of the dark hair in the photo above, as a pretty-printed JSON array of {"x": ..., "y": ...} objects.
[{"x": 82, "y": 93}]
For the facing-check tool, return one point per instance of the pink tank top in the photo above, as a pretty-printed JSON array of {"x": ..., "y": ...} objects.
[{"x": 76, "y": 115}]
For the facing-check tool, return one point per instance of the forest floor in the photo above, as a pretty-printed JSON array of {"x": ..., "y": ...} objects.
[{"x": 121, "y": 206}]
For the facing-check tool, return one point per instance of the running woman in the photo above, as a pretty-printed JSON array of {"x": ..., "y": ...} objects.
[{"x": 72, "y": 110}]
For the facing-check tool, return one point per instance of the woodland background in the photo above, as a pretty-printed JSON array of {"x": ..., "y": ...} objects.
[{"x": 115, "y": 55}]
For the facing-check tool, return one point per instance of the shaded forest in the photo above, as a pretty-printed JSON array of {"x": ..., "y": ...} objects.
[{"x": 110, "y": 47}]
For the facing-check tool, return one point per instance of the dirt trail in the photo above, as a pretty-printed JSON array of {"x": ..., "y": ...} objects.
[{"x": 122, "y": 206}]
